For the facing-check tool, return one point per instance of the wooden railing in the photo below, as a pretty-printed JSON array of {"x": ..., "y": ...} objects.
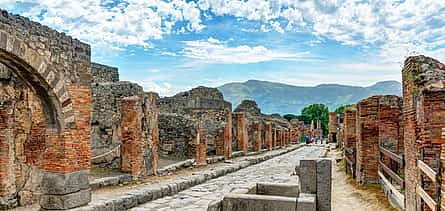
[
  {"x": 430, "y": 173},
  {"x": 393, "y": 176},
  {"x": 393, "y": 156},
  {"x": 350, "y": 160}
]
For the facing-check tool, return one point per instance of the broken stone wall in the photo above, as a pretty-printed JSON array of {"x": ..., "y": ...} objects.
[
  {"x": 107, "y": 93},
  {"x": 22, "y": 142},
  {"x": 201, "y": 106},
  {"x": 103, "y": 73}
]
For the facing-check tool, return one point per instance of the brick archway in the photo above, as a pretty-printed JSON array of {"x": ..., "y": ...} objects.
[{"x": 57, "y": 69}]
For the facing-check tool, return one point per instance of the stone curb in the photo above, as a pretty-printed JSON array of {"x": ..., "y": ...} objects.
[
  {"x": 168, "y": 188},
  {"x": 110, "y": 181}
]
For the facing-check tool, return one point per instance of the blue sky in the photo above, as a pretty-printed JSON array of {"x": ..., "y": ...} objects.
[{"x": 174, "y": 45}]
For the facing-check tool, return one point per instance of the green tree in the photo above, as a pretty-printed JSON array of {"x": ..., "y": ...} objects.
[
  {"x": 316, "y": 112},
  {"x": 289, "y": 117},
  {"x": 341, "y": 109}
]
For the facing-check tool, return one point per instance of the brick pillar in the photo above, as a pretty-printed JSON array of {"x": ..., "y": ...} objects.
[
  {"x": 228, "y": 136},
  {"x": 257, "y": 135},
  {"x": 349, "y": 137},
  {"x": 242, "y": 136},
  {"x": 67, "y": 158},
  {"x": 133, "y": 145},
  {"x": 7, "y": 174},
  {"x": 274, "y": 137},
  {"x": 151, "y": 126},
  {"x": 268, "y": 136},
  {"x": 389, "y": 117},
  {"x": 282, "y": 133},
  {"x": 367, "y": 141},
  {"x": 423, "y": 121},
  {"x": 333, "y": 125}
]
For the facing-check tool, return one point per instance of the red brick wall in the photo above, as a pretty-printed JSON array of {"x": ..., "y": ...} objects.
[
  {"x": 333, "y": 125},
  {"x": 7, "y": 180},
  {"x": 367, "y": 141},
  {"x": 424, "y": 118},
  {"x": 349, "y": 133},
  {"x": 389, "y": 117},
  {"x": 70, "y": 148}
]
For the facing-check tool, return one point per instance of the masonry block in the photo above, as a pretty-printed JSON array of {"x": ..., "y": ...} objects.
[{"x": 308, "y": 176}]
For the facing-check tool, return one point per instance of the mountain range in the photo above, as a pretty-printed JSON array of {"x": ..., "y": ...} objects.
[{"x": 281, "y": 98}]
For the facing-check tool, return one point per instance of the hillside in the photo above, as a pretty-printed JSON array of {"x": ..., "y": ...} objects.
[{"x": 282, "y": 98}]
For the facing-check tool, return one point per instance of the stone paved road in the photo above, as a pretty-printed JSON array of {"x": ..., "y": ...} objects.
[{"x": 278, "y": 169}]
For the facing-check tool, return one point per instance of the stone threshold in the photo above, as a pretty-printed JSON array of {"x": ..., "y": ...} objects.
[{"x": 144, "y": 194}]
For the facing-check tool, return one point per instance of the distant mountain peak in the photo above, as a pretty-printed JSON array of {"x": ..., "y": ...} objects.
[{"x": 274, "y": 97}]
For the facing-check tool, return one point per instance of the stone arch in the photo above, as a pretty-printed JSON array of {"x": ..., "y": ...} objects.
[
  {"x": 56, "y": 68},
  {"x": 39, "y": 84}
]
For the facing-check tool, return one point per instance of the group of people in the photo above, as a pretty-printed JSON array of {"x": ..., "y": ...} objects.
[{"x": 315, "y": 140}]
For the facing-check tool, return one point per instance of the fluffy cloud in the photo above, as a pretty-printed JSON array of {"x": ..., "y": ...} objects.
[
  {"x": 130, "y": 22},
  {"x": 389, "y": 25},
  {"x": 217, "y": 52}
]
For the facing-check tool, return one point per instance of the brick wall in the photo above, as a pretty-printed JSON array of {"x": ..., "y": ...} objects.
[
  {"x": 367, "y": 141},
  {"x": 424, "y": 118},
  {"x": 349, "y": 136},
  {"x": 333, "y": 126}
]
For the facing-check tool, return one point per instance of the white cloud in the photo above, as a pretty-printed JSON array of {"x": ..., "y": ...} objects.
[
  {"x": 132, "y": 22},
  {"x": 154, "y": 70},
  {"x": 395, "y": 27},
  {"x": 218, "y": 53}
]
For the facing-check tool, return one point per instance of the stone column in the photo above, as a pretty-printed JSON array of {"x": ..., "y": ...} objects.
[
  {"x": 275, "y": 136},
  {"x": 242, "y": 136},
  {"x": 151, "y": 126},
  {"x": 257, "y": 135},
  {"x": 199, "y": 146},
  {"x": 133, "y": 146},
  {"x": 228, "y": 136},
  {"x": 268, "y": 129},
  {"x": 219, "y": 141}
]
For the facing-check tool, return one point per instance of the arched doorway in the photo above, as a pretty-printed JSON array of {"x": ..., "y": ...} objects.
[{"x": 56, "y": 69}]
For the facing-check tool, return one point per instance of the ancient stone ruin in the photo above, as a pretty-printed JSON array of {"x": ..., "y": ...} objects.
[{"x": 398, "y": 141}]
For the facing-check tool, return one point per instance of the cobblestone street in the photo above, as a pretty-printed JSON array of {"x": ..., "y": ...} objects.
[{"x": 277, "y": 170}]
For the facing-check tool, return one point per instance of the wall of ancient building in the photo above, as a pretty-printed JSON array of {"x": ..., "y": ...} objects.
[
  {"x": 181, "y": 114},
  {"x": 367, "y": 141},
  {"x": 423, "y": 120},
  {"x": 107, "y": 142},
  {"x": 22, "y": 141}
]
